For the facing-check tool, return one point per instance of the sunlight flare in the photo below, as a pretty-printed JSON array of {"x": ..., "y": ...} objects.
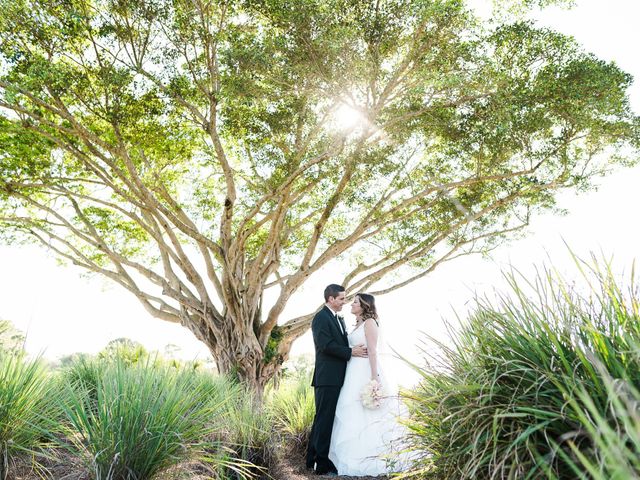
[{"x": 347, "y": 117}]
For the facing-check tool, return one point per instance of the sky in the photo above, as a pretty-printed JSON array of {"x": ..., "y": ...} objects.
[{"x": 62, "y": 311}]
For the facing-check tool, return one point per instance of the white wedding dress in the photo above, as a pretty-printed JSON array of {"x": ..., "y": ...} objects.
[{"x": 363, "y": 441}]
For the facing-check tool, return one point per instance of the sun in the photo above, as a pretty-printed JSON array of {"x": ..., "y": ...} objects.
[{"x": 347, "y": 117}]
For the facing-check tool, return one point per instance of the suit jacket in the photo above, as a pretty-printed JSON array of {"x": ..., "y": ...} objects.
[{"x": 332, "y": 350}]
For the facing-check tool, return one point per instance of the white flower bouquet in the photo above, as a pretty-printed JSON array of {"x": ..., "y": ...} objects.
[{"x": 372, "y": 395}]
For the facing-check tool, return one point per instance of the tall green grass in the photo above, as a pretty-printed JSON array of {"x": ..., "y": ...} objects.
[
  {"x": 83, "y": 374},
  {"x": 614, "y": 430},
  {"x": 252, "y": 431},
  {"x": 140, "y": 420},
  {"x": 247, "y": 431},
  {"x": 28, "y": 413},
  {"x": 530, "y": 386},
  {"x": 292, "y": 409},
  {"x": 147, "y": 419}
]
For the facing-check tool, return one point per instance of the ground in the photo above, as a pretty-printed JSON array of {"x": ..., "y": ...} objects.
[
  {"x": 292, "y": 467},
  {"x": 288, "y": 467}
]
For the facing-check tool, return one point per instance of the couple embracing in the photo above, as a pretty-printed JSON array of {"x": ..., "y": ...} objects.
[{"x": 355, "y": 425}]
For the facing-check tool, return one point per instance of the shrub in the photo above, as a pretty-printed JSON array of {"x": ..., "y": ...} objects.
[
  {"x": 28, "y": 414},
  {"x": 248, "y": 433},
  {"x": 141, "y": 421},
  {"x": 614, "y": 431},
  {"x": 125, "y": 350},
  {"x": 526, "y": 388},
  {"x": 83, "y": 373},
  {"x": 11, "y": 339},
  {"x": 292, "y": 409}
]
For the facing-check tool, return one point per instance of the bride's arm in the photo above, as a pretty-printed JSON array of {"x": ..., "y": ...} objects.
[{"x": 371, "y": 334}]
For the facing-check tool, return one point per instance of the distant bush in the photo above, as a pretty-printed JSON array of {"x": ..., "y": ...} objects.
[
  {"x": 11, "y": 339},
  {"x": 125, "y": 350},
  {"x": 543, "y": 385}
]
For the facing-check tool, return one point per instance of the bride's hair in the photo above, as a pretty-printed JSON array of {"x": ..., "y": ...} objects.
[{"x": 368, "y": 304}]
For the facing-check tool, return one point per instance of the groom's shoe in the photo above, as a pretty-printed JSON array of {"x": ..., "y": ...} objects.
[{"x": 326, "y": 473}]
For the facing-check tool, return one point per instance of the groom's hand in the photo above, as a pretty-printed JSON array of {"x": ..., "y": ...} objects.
[{"x": 359, "y": 351}]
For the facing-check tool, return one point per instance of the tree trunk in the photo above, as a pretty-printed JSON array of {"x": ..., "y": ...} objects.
[{"x": 238, "y": 353}]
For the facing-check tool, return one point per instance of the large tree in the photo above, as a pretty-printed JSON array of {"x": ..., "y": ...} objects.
[{"x": 200, "y": 153}]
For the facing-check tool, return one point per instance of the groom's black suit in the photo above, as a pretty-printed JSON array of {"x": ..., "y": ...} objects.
[{"x": 332, "y": 354}]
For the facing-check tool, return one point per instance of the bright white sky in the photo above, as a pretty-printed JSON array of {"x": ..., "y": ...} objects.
[{"x": 64, "y": 313}]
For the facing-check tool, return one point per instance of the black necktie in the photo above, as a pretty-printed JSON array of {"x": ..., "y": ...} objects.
[{"x": 339, "y": 323}]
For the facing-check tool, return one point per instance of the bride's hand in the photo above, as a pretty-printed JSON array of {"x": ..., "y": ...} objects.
[{"x": 359, "y": 351}]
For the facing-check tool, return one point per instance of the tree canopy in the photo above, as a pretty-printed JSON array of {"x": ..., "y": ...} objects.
[{"x": 200, "y": 153}]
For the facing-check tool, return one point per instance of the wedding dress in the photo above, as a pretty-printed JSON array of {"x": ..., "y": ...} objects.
[{"x": 363, "y": 441}]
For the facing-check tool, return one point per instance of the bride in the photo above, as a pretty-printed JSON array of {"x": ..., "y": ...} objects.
[{"x": 362, "y": 442}]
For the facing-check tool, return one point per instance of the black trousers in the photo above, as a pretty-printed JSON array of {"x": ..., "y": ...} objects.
[{"x": 320, "y": 439}]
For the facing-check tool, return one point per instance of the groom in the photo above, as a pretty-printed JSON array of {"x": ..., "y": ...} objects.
[{"x": 332, "y": 354}]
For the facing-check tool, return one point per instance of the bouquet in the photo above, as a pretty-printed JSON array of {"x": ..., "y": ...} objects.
[{"x": 372, "y": 395}]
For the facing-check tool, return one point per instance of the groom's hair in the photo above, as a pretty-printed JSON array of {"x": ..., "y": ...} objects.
[{"x": 332, "y": 291}]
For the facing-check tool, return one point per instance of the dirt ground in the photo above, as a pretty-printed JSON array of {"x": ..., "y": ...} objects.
[
  {"x": 292, "y": 467},
  {"x": 289, "y": 466}
]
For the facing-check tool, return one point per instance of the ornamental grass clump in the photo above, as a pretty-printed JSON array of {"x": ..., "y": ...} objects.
[
  {"x": 292, "y": 408},
  {"x": 542, "y": 383},
  {"x": 614, "y": 430},
  {"x": 142, "y": 420},
  {"x": 28, "y": 413},
  {"x": 84, "y": 374},
  {"x": 246, "y": 431}
]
